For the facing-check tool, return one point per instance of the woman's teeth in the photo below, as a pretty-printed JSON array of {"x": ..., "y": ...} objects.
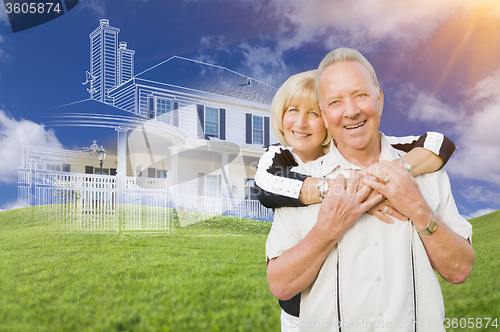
[{"x": 300, "y": 135}]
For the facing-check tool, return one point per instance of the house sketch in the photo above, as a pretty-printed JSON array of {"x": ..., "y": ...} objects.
[{"x": 189, "y": 137}]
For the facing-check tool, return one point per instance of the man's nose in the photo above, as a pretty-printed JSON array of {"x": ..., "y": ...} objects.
[{"x": 351, "y": 109}]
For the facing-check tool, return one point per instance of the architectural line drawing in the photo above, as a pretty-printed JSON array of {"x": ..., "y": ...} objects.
[{"x": 188, "y": 138}]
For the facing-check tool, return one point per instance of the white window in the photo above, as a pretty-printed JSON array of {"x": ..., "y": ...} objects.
[
  {"x": 52, "y": 167},
  {"x": 258, "y": 130},
  {"x": 212, "y": 121},
  {"x": 165, "y": 110},
  {"x": 211, "y": 185},
  {"x": 161, "y": 174},
  {"x": 250, "y": 190}
]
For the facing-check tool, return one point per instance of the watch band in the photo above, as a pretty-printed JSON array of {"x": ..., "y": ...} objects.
[
  {"x": 431, "y": 227},
  {"x": 405, "y": 164},
  {"x": 322, "y": 187}
]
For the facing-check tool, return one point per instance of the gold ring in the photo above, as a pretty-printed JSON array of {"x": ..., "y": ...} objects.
[
  {"x": 386, "y": 209},
  {"x": 387, "y": 178}
]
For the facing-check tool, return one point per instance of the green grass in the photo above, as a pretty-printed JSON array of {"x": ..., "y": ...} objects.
[
  {"x": 79, "y": 281},
  {"x": 205, "y": 277},
  {"x": 479, "y": 296}
]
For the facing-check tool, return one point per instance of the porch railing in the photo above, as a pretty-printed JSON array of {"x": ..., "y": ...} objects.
[{"x": 96, "y": 202}]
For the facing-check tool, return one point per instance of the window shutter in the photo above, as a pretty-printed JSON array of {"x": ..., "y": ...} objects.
[
  {"x": 151, "y": 172},
  {"x": 151, "y": 107},
  {"x": 201, "y": 120},
  {"x": 175, "y": 118},
  {"x": 222, "y": 121},
  {"x": 249, "y": 128},
  {"x": 201, "y": 184},
  {"x": 266, "y": 131}
]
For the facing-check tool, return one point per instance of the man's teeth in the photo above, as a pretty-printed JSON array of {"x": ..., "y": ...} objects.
[
  {"x": 356, "y": 126},
  {"x": 301, "y": 135}
]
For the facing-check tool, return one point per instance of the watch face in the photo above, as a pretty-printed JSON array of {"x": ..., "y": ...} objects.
[{"x": 432, "y": 226}]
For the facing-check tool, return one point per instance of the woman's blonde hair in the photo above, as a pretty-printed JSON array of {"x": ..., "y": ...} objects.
[{"x": 299, "y": 87}]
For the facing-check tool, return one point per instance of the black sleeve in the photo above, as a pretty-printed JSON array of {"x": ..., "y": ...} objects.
[
  {"x": 445, "y": 151},
  {"x": 281, "y": 166},
  {"x": 271, "y": 200}
]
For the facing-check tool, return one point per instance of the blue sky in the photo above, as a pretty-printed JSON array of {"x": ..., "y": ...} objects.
[{"x": 437, "y": 62}]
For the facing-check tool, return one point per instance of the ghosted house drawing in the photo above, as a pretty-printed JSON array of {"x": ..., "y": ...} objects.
[{"x": 187, "y": 131}]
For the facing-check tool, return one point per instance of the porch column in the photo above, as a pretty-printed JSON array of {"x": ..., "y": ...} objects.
[
  {"x": 173, "y": 176},
  {"x": 225, "y": 190},
  {"x": 121, "y": 160}
]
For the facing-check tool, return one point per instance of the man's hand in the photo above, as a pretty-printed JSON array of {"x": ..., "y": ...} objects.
[
  {"x": 400, "y": 189},
  {"x": 343, "y": 206},
  {"x": 384, "y": 209}
]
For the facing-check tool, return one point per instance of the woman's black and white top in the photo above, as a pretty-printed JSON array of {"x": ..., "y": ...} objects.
[{"x": 278, "y": 186}]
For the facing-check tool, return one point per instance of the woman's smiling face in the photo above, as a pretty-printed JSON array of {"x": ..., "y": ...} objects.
[{"x": 304, "y": 129}]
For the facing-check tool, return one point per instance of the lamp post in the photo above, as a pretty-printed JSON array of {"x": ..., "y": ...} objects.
[
  {"x": 95, "y": 150},
  {"x": 102, "y": 155}
]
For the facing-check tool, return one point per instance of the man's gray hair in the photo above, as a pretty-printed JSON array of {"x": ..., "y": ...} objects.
[{"x": 343, "y": 54}]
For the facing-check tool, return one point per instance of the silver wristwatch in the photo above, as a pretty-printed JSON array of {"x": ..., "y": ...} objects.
[
  {"x": 431, "y": 227},
  {"x": 405, "y": 164}
]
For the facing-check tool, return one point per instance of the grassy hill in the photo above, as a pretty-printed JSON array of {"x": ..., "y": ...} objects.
[{"x": 206, "y": 277}]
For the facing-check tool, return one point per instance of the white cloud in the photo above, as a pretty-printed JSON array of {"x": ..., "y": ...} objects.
[
  {"x": 261, "y": 60},
  {"x": 3, "y": 16},
  {"x": 477, "y": 193},
  {"x": 478, "y": 213},
  {"x": 478, "y": 152},
  {"x": 13, "y": 135},
  {"x": 361, "y": 24},
  {"x": 428, "y": 108},
  {"x": 97, "y": 6},
  {"x": 217, "y": 43},
  {"x": 16, "y": 204}
]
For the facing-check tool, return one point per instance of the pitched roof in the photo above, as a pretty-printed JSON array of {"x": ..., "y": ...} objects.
[{"x": 209, "y": 78}]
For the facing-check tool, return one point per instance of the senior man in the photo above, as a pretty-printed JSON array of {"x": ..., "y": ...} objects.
[{"x": 355, "y": 272}]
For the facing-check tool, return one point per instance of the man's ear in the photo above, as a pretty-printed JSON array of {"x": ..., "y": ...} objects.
[
  {"x": 381, "y": 100},
  {"x": 323, "y": 115}
]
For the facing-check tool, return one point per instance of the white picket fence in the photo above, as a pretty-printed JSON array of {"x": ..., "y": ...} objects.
[{"x": 110, "y": 203}]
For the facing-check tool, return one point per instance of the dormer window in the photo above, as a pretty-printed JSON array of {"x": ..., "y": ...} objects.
[{"x": 163, "y": 109}]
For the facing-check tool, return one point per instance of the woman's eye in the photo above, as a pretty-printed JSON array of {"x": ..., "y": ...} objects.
[
  {"x": 315, "y": 114},
  {"x": 293, "y": 110}
]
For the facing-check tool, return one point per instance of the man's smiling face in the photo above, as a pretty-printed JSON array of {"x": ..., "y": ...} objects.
[{"x": 351, "y": 105}]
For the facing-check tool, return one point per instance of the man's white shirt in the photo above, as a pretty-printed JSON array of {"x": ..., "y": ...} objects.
[{"x": 378, "y": 277}]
